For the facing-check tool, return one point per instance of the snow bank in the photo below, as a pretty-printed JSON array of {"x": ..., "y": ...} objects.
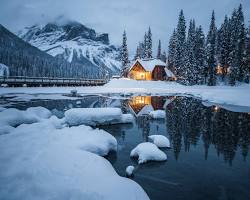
[
  {"x": 157, "y": 114},
  {"x": 46, "y": 160},
  {"x": 160, "y": 140},
  {"x": 96, "y": 116},
  {"x": 13, "y": 117},
  {"x": 130, "y": 170},
  {"x": 148, "y": 152}
]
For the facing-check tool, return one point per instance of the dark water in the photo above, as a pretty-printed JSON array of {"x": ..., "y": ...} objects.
[{"x": 209, "y": 154}]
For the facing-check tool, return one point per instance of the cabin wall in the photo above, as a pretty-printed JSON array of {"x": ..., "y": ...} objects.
[{"x": 138, "y": 73}]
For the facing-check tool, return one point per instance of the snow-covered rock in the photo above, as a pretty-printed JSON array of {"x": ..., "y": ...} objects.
[
  {"x": 4, "y": 70},
  {"x": 13, "y": 117},
  {"x": 129, "y": 170},
  {"x": 148, "y": 152},
  {"x": 160, "y": 140},
  {"x": 43, "y": 161},
  {"x": 96, "y": 116},
  {"x": 74, "y": 42},
  {"x": 158, "y": 114}
]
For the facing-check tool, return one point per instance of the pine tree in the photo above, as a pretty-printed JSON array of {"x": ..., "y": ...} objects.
[
  {"x": 149, "y": 51},
  {"x": 164, "y": 57},
  {"x": 180, "y": 46},
  {"x": 211, "y": 48},
  {"x": 241, "y": 44},
  {"x": 159, "y": 56},
  {"x": 190, "y": 64},
  {"x": 223, "y": 47},
  {"x": 172, "y": 53},
  {"x": 124, "y": 55},
  {"x": 137, "y": 53},
  {"x": 247, "y": 57},
  {"x": 145, "y": 46},
  {"x": 200, "y": 55}
]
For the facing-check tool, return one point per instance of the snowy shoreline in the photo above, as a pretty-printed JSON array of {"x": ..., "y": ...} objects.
[{"x": 234, "y": 95}]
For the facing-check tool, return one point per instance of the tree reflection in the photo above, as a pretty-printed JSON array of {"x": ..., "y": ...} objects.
[{"x": 188, "y": 121}]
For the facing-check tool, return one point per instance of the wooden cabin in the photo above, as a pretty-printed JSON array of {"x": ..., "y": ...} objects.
[{"x": 150, "y": 70}]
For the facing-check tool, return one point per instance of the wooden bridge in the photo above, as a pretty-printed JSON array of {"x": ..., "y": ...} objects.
[{"x": 21, "y": 81}]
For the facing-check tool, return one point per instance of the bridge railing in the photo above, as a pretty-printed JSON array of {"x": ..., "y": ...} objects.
[{"x": 50, "y": 80}]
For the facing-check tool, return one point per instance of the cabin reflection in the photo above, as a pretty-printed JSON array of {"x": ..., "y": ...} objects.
[{"x": 143, "y": 105}]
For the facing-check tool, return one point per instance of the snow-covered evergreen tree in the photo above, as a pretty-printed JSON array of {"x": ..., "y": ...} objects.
[
  {"x": 191, "y": 72},
  {"x": 180, "y": 46},
  {"x": 200, "y": 55},
  {"x": 247, "y": 57},
  {"x": 210, "y": 51},
  {"x": 124, "y": 54},
  {"x": 145, "y": 46},
  {"x": 159, "y": 50},
  {"x": 164, "y": 57},
  {"x": 149, "y": 51},
  {"x": 223, "y": 47},
  {"x": 172, "y": 53}
]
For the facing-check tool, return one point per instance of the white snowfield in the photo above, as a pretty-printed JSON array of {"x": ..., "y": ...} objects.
[
  {"x": 147, "y": 151},
  {"x": 160, "y": 140},
  {"x": 96, "y": 116},
  {"x": 157, "y": 114},
  {"x": 47, "y": 160},
  {"x": 237, "y": 95}
]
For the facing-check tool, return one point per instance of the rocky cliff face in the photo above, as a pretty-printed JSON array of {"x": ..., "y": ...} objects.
[{"x": 74, "y": 42}]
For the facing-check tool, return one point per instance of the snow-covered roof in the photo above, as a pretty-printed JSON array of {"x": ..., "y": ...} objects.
[
  {"x": 169, "y": 73},
  {"x": 149, "y": 64}
]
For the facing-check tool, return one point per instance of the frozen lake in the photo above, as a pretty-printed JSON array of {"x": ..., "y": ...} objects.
[{"x": 208, "y": 158}]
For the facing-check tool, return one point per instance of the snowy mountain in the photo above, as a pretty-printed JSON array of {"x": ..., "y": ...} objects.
[
  {"x": 75, "y": 43},
  {"x": 24, "y": 59}
]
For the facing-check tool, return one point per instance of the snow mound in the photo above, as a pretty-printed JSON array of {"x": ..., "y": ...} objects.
[
  {"x": 96, "y": 116},
  {"x": 157, "y": 114},
  {"x": 148, "y": 152},
  {"x": 160, "y": 140},
  {"x": 2, "y": 109},
  {"x": 129, "y": 170},
  {"x": 14, "y": 117},
  {"x": 46, "y": 160}
]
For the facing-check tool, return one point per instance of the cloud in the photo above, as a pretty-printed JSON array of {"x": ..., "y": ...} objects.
[{"x": 113, "y": 16}]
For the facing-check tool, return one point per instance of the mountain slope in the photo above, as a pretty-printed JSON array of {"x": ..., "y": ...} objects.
[
  {"x": 75, "y": 43},
  {"x": 24, "y": 59}
]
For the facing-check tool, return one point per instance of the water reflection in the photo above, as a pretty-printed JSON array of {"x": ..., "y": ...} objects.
[{"x": 188, "y": 121}]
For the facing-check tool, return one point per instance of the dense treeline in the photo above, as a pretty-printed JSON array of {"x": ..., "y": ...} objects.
[
  {"x": 223, "y": 55},
  {"x": 26, "y": 60}
]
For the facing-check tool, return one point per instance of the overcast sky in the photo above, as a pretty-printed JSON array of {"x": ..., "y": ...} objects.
[{"x": 113, "y": 16}]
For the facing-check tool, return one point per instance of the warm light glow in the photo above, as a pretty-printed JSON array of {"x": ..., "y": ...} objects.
[
  {"x": 216, "y": 108},
  {"x": 219, "y": 69}
]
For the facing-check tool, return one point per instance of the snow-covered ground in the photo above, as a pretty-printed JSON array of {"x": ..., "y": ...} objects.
[
  {"x": 43, "y": 158},
  {"x": 237, "y": 95}
]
